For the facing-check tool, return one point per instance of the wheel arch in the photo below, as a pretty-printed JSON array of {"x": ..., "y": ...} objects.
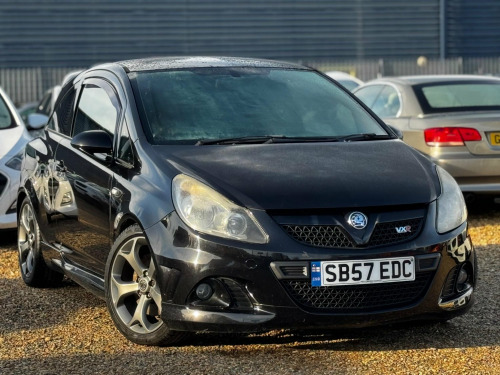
[
  {"x": 20, "y": 198},
  {"x": 122, "y": 222},
  {"x": 28, "y": 190}
]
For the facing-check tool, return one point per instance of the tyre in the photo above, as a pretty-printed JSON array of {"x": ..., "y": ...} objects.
[
  {"x": 133, "y": 294},
  {"x": 34, "y": 271}
]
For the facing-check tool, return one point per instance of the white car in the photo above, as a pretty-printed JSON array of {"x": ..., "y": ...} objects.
[
  {"x": 348, "y": 81},
  {"x": 13, "y": 137}
]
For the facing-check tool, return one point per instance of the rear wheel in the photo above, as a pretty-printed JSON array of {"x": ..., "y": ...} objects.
[
  {"x": 34, "y": 271},
  {"x": 132, "y": 292}
]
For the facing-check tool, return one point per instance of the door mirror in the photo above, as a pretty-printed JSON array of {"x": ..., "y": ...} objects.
[
  {"x": 93, "y": 142},
  {"x": 36, "y": 121},
  {"x": 396, "y": 131}
]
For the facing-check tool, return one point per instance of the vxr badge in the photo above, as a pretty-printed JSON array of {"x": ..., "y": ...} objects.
[{"x": 406, "y": 229}]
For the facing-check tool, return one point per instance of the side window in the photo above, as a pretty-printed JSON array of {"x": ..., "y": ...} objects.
[
  {"x": 369, "y": 94},
  {"x": 125, "y": 152},
  {"x": 387, "y": 103},
  {"x": 97, "y": 110},
  {"x": 63, "y": 114}
]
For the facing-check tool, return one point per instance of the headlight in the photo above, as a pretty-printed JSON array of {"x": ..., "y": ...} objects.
[
  {"x": 16, "y": 161},
  {"x": 207, "y": 211},
  {"x": 451, "y": 209}
]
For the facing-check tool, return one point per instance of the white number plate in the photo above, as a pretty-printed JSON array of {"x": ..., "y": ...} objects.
[{"x": 367, "y": 271}]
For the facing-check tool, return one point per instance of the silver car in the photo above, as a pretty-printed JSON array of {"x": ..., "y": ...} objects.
[
  {"x": 13, "y": 137},
  {"x": 455, "y": 120}
]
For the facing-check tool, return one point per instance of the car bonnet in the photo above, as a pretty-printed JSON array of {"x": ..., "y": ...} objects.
[
  {"x": 310, "y": 175},
  {"x": 12, "y": 139}
]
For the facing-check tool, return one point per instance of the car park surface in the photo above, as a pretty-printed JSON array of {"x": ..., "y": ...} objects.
[
  {"x": 68, "y": 330},
  {"x": 256, "y": 195},
  {"x": 455, "y": 120}
]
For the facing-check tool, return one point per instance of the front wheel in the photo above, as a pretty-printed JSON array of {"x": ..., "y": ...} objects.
[{"x": 132, "y": 292}]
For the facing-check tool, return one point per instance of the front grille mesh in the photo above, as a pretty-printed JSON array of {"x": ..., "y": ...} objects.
[
  {"x": 386, "y": 233},
  {"x": 239, "y": 298},
  {"x": 358, "y": 298},
  {"x": 319, "y": 235},
  {"x": 335, "y": 236}
]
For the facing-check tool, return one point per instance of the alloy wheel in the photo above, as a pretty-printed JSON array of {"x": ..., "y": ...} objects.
[
  {"x": 135, "y": 293},
  {"x": 27, "y": 240}
]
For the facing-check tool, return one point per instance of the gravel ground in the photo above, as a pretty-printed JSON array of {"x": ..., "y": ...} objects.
[{"x": 68, "y": 331}]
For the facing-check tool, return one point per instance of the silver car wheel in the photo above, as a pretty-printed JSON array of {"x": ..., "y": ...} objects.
[
  {"x": 26, "y": 239},
  {"x": 135, "y": 294}
]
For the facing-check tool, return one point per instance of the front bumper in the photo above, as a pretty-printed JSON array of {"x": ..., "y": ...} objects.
[
  {"x": 457, "y": 302},
  {"x": 262, "y": 300},
  {"x": 182, "y": 318}
]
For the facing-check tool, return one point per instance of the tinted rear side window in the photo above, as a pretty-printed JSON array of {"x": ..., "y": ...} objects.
[{"x": 458, "y": 96}]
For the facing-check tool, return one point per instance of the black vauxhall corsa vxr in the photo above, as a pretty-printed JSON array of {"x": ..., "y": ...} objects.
[{"x": 238, "y": 195}]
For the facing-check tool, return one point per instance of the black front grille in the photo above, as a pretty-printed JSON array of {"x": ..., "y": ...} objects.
[
  {"x": 294, "y": 271},
  {"x": 358, "y": 298},
  {"x": 387, "y": 233},
  {"x": 335, "y": 236},
  {"x": 319, "y": 235},
  {"x": 239, "y": 297}
]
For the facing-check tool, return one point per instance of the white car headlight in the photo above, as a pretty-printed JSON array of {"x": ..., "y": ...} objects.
[
  {"x": 451, "y": 209},
  {"x": 16, "y": 161},
  {"x": 207, "y": 211}
]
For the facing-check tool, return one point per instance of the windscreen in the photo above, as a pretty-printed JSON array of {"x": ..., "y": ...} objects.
[
  {"x": 185, "y": 106},
  {"x": 459, "y": 96},
  {"x": 5, "y": 116}
]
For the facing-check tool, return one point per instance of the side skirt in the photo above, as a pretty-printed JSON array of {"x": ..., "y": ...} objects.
[{"x": 86, "y": 279}]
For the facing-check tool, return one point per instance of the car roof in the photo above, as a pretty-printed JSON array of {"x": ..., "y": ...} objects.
[
  {"x": 416, "y": 80},
  {"x": 336, "y": 74},
  {"x": 164, "y": 63}
]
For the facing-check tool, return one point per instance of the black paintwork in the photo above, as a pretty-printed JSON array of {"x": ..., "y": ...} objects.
[
  {"x": 93, "y": 142},
  {"x": 323, "y": 175},
  {"x": 316, "y": 183}
]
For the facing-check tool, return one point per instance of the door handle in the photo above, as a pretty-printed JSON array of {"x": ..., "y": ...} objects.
[{"x": 116, "y": 193}]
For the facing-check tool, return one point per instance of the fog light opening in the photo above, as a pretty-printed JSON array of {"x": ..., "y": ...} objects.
[
  {"x": 210, "y": 293},
  {"x": 463, "y": 278},
  {"x": 204, "y": 291}
]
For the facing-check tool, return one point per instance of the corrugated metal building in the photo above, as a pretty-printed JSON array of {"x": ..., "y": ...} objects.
[
  {"x": 85, "y": 32},
  {"x": 473, "y": 28}
]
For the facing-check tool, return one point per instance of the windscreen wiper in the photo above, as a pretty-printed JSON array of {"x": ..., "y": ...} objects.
[
  {"x": 363, "y": 137},
  {"x": 240, "y": 140},
  {"x": 284, "y": 139}
]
